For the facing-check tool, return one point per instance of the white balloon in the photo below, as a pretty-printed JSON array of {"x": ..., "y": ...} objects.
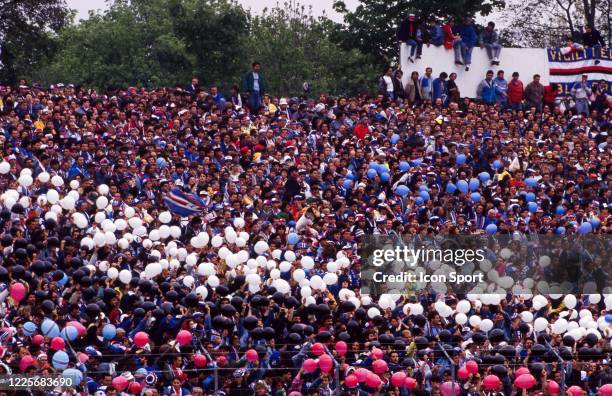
[
  {"x": 52, "y": 196},
  {"x": 243, "y": 256},
  {"x": 44, "y": 177},
  {"x": 165, "y": 217},
  {"x": 594, "y": 298},
  {"x": 332, "y": 266},
  {"x": 298, "y": 274},
  {"x": 475, "y": 320},
  {"x": 307, "y": 262},
  {"x": 101, "y": 202},
  {"x": 570, "y": 301},
  {"x": 252, "y": 279},
  {"x": 317, "y": 283},
  {"x": 244, "y": 235},
  {"x": 57, "y": 181},
  {"x": 373, "y": 312},
  {"x": 343, "y": 262},
  {"x": 152, "y": 270},
  {"x": 154, "y": 235},
  {"x": 505, "y": 253},
  {"x": 290, "y": 256},
  {"x": 216, "y": 241},
  {"x": 540, "y": 324},
  {"x": 110, "y": 237},
  {"x": 99, "y": 239},
  {"x": 191, "y": 259},
  {"x": 464, "y": 306},
  {"x": 305, "y": 291},
  {"x": 87, "y": 242},
  {"x": 164, "y": 231},
  {"x": 188, "y": 281},
  {"x": 560, "y": 326},
  {"x": 461, "y": 318},
  {"x": 239, "y": 222},
  {"x": 51, "y": 215},
  {"x": 202, "y": 291},
  {"x": 125, "y": 276},
  {"x": 281, "y": 285},
  {"x": 103, "y": 189},
  {"x": 140, "y": 231},
  {"x": 80, "y": 220},
  {"x": 544, "y": 261},
  {"x": 213, "y": 281},
  {"x": 539, "y": 302},
  {"x": 486, "y": 325},
  {"x": 330, "y": 279},
  {"x": 74, "y": 184},
  {"x": 415, "y": 309},
  {"x": 5, "y": 167},
  {"x": 608, "y": 301},
  {"x": 129, "y": 212},
  {"x": 120, "y": 224},
  {"x": 284, "y": 266},
  {"x": 526, "y": 316},
  {"x": 147, "y": 244},
  {"x": 261, "y": 247},
  {"x": 108, "y": 225},
  {"x": 103, "y": 266},
  {"x": 113, "y": 273},
  {"x": 26, "y": 171},
  {"x": 24, "y": 201},
  {"x": 206, "y": 269},
  {"x": 230, "y": 235},
  {"x": 240, "y": 242},
  {"x": 123, "y": 243},
  {"x": 276, "y": 254},
  {"x": 25, "y": 180}
]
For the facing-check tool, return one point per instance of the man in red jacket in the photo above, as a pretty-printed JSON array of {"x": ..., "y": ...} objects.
[
  {"x": 515, "y": 92},
  {"x": 362, "y": 129}
]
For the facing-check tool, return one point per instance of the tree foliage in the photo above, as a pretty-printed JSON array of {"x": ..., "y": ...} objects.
[
  {"x": 25, "y": 40},
  {"x": 372, "y": 26}
]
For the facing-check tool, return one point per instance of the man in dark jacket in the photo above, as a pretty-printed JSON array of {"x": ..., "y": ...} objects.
[
  {"x": 409, "y": 33},
  {"x": 253, "y": 85},
  {"x": 292, "y": 186},
  {"x": 592, "y": 38}
]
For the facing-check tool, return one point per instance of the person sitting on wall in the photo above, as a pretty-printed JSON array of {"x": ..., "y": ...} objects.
[
  {"x": 409, "y": 33},
  {"x": 592, "y": 39},
  {"x": 489, "y": 39},
  {"x": 436, "y": 35}
]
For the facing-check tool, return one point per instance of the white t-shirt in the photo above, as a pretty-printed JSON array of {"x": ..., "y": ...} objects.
[
  {"x": 389, "y": 82},
  {"x": 256, "y": 82}
]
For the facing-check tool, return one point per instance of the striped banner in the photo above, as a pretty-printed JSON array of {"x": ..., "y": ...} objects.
[{"x": 566, "y": 66}]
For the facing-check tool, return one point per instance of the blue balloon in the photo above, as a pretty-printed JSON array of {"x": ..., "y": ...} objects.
[
  {"x": 462, "y": 185},
  {"x": 350, "y": 176},
  {"x": 460, "y": 160},
  {"x": 531, "y": 182},
  {"x": 595, "y": 222},
  {"x": 484, "y": 176},
  {"x": 404, "y": 166},
  {"x": 385, "y": 177},
  {"x": 560, "y": 210},
  {"x": 374, "y": 165},
  {"x": 609, "y": 318},
  {"x": 402, "y": 190},
  {"x": 293, "y": 238},
  {"x": 347, "y": 184},
  {"x": 70, "y": 333},
  {"x": 530, "y": 197},
  {"x": 475, "y": 197},
  {"x": 497, "y": 164},
  {"x": 63, "y": 281},
  {"x": 291, "y": 223},
  {"x": 372, "y": 173},
  {"x": 76, "y": 376},
  {"x": 424, "y": 195},
  {"x": 29, "y": 328},
  {"x": 585, "y": 228},
  {"x": 60, "y": 360},
  {"x": 382, "y": 169},
  {"x": 417, "y": 162},
  {"x": 423, "y": 187},
  {"x": 532, "y": 206},
  {"x": 491, "y": 229},
  {"x": 49, "y": 328},
  {"x": 395, "y": 138},
  {"x": 560, "y": 230},
  {"x": 451, "y": 188},
  {"x": 419, "y": 201},
  {"x": 109, "y": 332},
  {"x": 474, "y": 184}
]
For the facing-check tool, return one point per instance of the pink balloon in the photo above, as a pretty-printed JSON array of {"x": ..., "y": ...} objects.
[
  {"x": 463, "y": 373},
  {"x": 605, "y": 390},
  {"x": 379, "y": 366},
  {"x": 38, "y": 339},
  {"x": 410, "y": 383},
  {"x": 120, "y": 383},
  {"x": 491, "y": 382},
  {"x": 184, "y": 337},
  {"x": 83, "y": 357},
  {"x": 326, "y": 363},
  {"x": 81, "y": 330},
  {"x": 362, "y": 374},
  {"x": 57, "y": 344},
  {"x": 575, "y": 390},
  {"x": 141, "y": 339},
  {"x": 377, "y": 353},
  {"x": 25, "y": 362},
  {"x": 310, "y": 365},
  {"x": 520, "y": 371},
  {"x": 351, "y": 381},
  {"x": 398, "y": 379},
  {"x": 553, "y": 387},
  {"x": 294, "y": 393},
  {"x": 472, "y": 367},
  {"x": 18, "y": 291},
  {"x": 525, "y": 381},
  {"x": 341, "y": 348},
  {"x": 373, "y": 381},
  {"x": 251, "y": 355},
  {"x": 447, "y": 388},
  {"x": 199, "y": 360},
  {"x": 318, "y": 349}
]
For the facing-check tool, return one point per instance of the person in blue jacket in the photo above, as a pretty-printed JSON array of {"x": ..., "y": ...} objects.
[
  {"x": 436, "y": 35},
  {"x": 439, "y": 88},
  {"x": 486, "y": 89},
  {"x": 467, "y": 31}
]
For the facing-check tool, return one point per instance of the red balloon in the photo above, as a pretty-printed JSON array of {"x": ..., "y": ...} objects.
[
  {"x": 377, "y": 353},
  {"x": 606, "y": 390},
  {"x": 520, "y": 371},
  {"x": 446, "y": 389},
  {"x": 525, "y": 381},
  {"x": 251, "y": 355},
  {"x": 81, "y": 330},
  {"x": 341, "y": 348},
  {"x": 351, "y": 381},
  {"x": 326, "y": 363},
  {"x": 38, "y": 339},
  {"x": 57, "y": 344},
  {"x": 553, "y": 387},
  {"x": 472, "y": 367},
  {"x": 574, "y": 390},
  {"x": 318, "y": 349},
  {"x": 379, "y": 366},
  {"x": 491, "y": 382},
  {"x": 184, "y": 337},
  {"x": 141, "y": 339},
  {"x": 26, "y": 362},
  {"x": 222, "y": 360},
  {"x": 199, "y": 360},
  {"x": 463, "y": 373},
  {"x": 398, "y": 379},
  {"x": 310, "y": 365},
  {"x": 410, "y": 383},
  {"x": 18, "y": 291},
  {"x": 120, "y": 383},
  {"x": 373, "y": 381},
  {"x": 362, "y": 374},
  {"x": 135, "y": 388}
]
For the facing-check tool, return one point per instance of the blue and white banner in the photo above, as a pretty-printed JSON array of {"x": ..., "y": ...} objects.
[{"x": 567, "y": 65}]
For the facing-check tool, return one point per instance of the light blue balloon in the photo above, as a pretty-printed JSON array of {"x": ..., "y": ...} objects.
[
  {"x": 497, "y": 164},
  {"x": 532, "y": 206},
  {"x": 424, "y": 195},
  {"x": 385, "y": 177},
  {"x": 475, "y": 197},
  {"x": 109, "y": 332},
  {"x": 395, "y": 138},
  {"x": 372, "y": 173},
  {"x": 402, "y": 190},
  {"x": 560, "y": 210},
  {"x": 347, "y": 184},
  {"x": 585, "y": 228},
  {"x": 531, "y": 182},
  {"x": 491, "y": 229},
  {"x": 419, "y": 201},
  {"x": 460, "y": 159},
  {"x": 374, "y": 165},
  {"x": 350, "y": 176},
  {"x": 595, "y": 222},
  {"x": 484, "y": 176},
  {"x": 29, "y": 328},
  {"x": 63, "y": 281},
  {"x": 530, "y": 197},
  {"x": 462, "y": 185},
  {"x": 73, "y": 374},
  {"x": 560, "y": 230},
  {"x": 60, "y": 360},
  {"x": 70, "y": 333},
  {"x": 293, "y": 238},
  {"x": 423, "y": 187},
  {"x": 404, "y": 166},
  {"x": 451, "y": 188},
  {"x": 49, "y": 328},
  {"x": 474, "y": 184}
]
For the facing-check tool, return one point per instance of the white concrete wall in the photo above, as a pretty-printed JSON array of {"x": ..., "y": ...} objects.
[{"x": 526, "y": 61}]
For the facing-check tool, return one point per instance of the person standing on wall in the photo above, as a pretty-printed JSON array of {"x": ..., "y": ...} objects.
[
  {"x": 489, "y": 39},
  {"x": 253, "y": 85},
  {"x": 467, "y": 31}
]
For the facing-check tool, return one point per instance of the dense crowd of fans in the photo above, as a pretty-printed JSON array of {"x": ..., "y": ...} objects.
[{"x": 176, "y": 241}]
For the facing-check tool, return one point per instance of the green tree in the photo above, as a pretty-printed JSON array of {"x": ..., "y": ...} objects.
[
  {"x": 25, "y": 34},
  {"x": 294, "y": 47},
  {"x": 372, "y": 26}
]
